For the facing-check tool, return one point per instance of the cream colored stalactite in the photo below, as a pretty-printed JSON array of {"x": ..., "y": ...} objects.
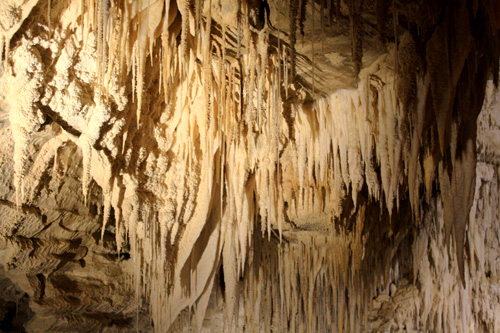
[
  {"x": 149, "y": 19},
  {"x": 107, "y": 197},
  {"x": 229, "y": 263},
  {"x": 116, "y": 194},
  {"x": 185, "y": 13},
  {"x": 128, "y": 212},
  {"x": 440, "y": 303},
  {"x": 332, "y": 152},
  {"x": 342, "y": 126},
  {"x": 194, "y": 216},
  {"x": 96, "y": 117},
  {"x": 201, "y": 279},
  {"x": 319, "y": 266},
  {"x": 23, "y": 89},
  {"x": 141, "y": 23},
  {"x": 86, "y": 146}
]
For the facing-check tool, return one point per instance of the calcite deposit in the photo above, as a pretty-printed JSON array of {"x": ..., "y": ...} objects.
[{"x": 257, "y": 165}]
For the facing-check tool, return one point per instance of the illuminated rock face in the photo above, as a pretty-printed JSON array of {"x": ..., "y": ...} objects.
[{"x": 259, "y": 165}]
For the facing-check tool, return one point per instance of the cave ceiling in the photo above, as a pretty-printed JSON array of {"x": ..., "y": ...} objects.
[{"x": 249, "y": 165}]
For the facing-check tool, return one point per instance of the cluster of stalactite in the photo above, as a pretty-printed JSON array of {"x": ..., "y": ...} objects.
[{"x": 200, "y": 138}]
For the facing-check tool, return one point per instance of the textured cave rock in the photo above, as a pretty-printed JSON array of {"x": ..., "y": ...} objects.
[{"x": 256, "y": 165}]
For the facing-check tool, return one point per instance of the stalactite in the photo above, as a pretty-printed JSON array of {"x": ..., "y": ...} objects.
[
  {"x": 99, "y": 12},
  {"x": 24, "y": 116},
  {"x": 313, "y": 7},
  {"x": 199, "y": 11},
  {"x": 294, "y": 10},
  {"x": 277, "y": 110},
  {"x": 207, "y": 56},
  {"x": 108, "y": 194},
  {"x": 222, "y": 117},
  {"x": 184, "y": 33},
  {"x": 87, "y": 159}
]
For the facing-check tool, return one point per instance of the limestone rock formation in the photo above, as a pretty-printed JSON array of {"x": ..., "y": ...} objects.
[{"x": 257, "y": 165}]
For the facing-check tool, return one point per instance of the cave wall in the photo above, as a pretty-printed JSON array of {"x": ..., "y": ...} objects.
[{"x": 249, "y": 164}]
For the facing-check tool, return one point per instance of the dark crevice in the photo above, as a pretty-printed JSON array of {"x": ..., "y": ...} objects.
[{"x": 59, "y": 120}]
